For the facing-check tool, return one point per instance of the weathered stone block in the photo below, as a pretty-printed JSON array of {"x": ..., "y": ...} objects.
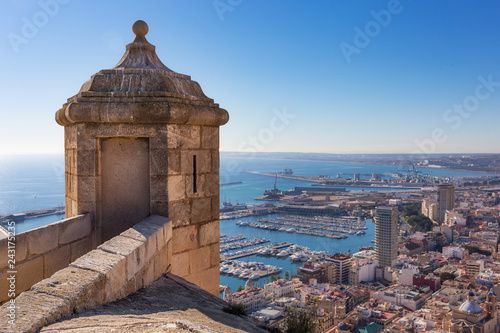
[
  {"x": 158, "y": 187},
  {"x": 204, "y": 161},
  {"x": 85, "y": 207},
  {"x": 209, "y": 233},
  {"x": 215, "y": 208},
  {"x": 55, "y": 260},
  {"x": 180, "y": 213},
  {"x": 112, "y": 266},
  {"x": 180, "y": 264},
  {"x": 199, "y": 259},
  {"x": 74, "y": 228},
  {"x": 185, "y": 238},
  {"x": 4, "y": 286},
  {"x": 86, "y": 162},
  {"x": 200, "y": 186},
  {"x": 43, "y": 239},
  {"x": 129, "y": 288},
  {"x": 212, "y": 187},
  {"x": 210, "y": 137},
  {"x": 215, "y": 255},
  {"x": 79, "y": 248},
  {"x": 86, "y": 136},
  {"x": 133, "y": 250},
  {"x": 70, "y": 161},
  {"x": 201, "y": 210},
  {"x": 165, "y": 224},
  {"x": 34, "y": 310},
  {"x": 147, "y": 274},
  {"x": 70, "y": 180},
  {"x": 176, "y": 188},
  {"x": 70, "y": 137},
  {"x": 159, "y": 207},
  {"x": 150, "y": 233},
  {"x": 28, "y": 273},
  {"x": 159, "y": 162},
  {"x": 211, "y": 280},
  {"x": 82, "y": 288},
  {"x": 215, "y": 161},
  {"x": 86, "y": 188},
  {"x": 183, "y": 136},
  {"x": 162, "y": 260},
  {"x": 174, "y": 162},
  {"x": 21, "y": 246},
  {"x": 4, "y": 250}
]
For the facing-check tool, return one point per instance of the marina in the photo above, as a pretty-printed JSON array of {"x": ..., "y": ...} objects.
[
  {"x": 247, "y": 270},
  {"x": 252, "y": 251},
  {"x": 321, "y": 226},
  {"x": 244, "y": 243}
]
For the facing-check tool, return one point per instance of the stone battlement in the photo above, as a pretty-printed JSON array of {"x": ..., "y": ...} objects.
[
  {"x": 43, "y": 251},
  {"x": 120, "y": 266}
]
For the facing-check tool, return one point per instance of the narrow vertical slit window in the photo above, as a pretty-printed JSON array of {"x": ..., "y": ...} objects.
[{"x": 194, "y": 174}]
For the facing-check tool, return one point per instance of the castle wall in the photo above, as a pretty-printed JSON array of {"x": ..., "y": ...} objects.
[
  {"x": 182, "y": 183},
  {"x": 43, "y": 251},
  {"x": 120, "y": 266}
]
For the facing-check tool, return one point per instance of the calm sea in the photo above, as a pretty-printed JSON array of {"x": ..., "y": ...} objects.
[{"x": 29, "y": 182}]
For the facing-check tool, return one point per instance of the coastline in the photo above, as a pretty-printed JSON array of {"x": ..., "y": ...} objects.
[{"x": 488, "y": 173}]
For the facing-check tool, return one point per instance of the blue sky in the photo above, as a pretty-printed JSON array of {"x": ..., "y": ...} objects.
[{"x": 324, "y": 76}]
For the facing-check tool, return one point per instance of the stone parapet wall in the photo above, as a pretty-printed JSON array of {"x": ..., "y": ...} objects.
[
  {"x": 194, "y": 211},
  {"x": 120, "y": 266},
  {"x": 41, "y": 252}
]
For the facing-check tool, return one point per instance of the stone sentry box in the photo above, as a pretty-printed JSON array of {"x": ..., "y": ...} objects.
[{"x": 141, "y": 139}]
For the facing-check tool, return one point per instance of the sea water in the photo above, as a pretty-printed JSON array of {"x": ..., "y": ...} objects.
[{"x": 30, "y": 182}]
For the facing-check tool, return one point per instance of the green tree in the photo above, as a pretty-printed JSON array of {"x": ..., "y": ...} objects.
[
  {"x": 446, "y": 276},
  {"x": 287, "y": 275},
  {"x": 273, "y": 278},
  {"x": 240, "y": 288},
  {"x": 300, "y": 322}
]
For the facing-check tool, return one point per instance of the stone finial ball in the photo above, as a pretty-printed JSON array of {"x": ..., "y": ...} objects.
[{"x": 140, "y": 28}]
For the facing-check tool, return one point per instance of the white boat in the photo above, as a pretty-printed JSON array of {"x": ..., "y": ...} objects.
[
  {"x": 299, "y": 256},
  {"x": 283, "y": 253}
]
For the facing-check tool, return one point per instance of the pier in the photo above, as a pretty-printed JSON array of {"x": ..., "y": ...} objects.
[
  {"x": 32, "y": 214},
  {"x": 251, "y": 253},
  {"x": 232, "y": 183},
  {"x": 357, "y": 182}
]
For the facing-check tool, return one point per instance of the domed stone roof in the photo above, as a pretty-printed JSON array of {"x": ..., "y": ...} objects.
[
  {"x": 470, "y": 307},
  {"x": 141, "y": 89}
]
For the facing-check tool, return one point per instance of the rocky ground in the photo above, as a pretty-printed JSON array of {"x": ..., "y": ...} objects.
[{"x": 169, "y": 305}]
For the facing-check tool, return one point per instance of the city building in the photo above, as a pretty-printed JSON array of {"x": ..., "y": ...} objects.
[
  {"x": 386, "y": 231},
  {"x": 282, "y": 288},
  {"x": 311, "y": 271},
  {"x": 430, "y": 280},
  {"x": 430, "y": 209},
  {"x": 252, "y": 298},
  {"x": 446, "y": 200},
  {"x": 470, "y": 317},
  {"x": 337, "y": 268},
  {"x": 411, "y": 297},
  {"x": 362, "y": 270},
  {"x": 473, "y": 268}
]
